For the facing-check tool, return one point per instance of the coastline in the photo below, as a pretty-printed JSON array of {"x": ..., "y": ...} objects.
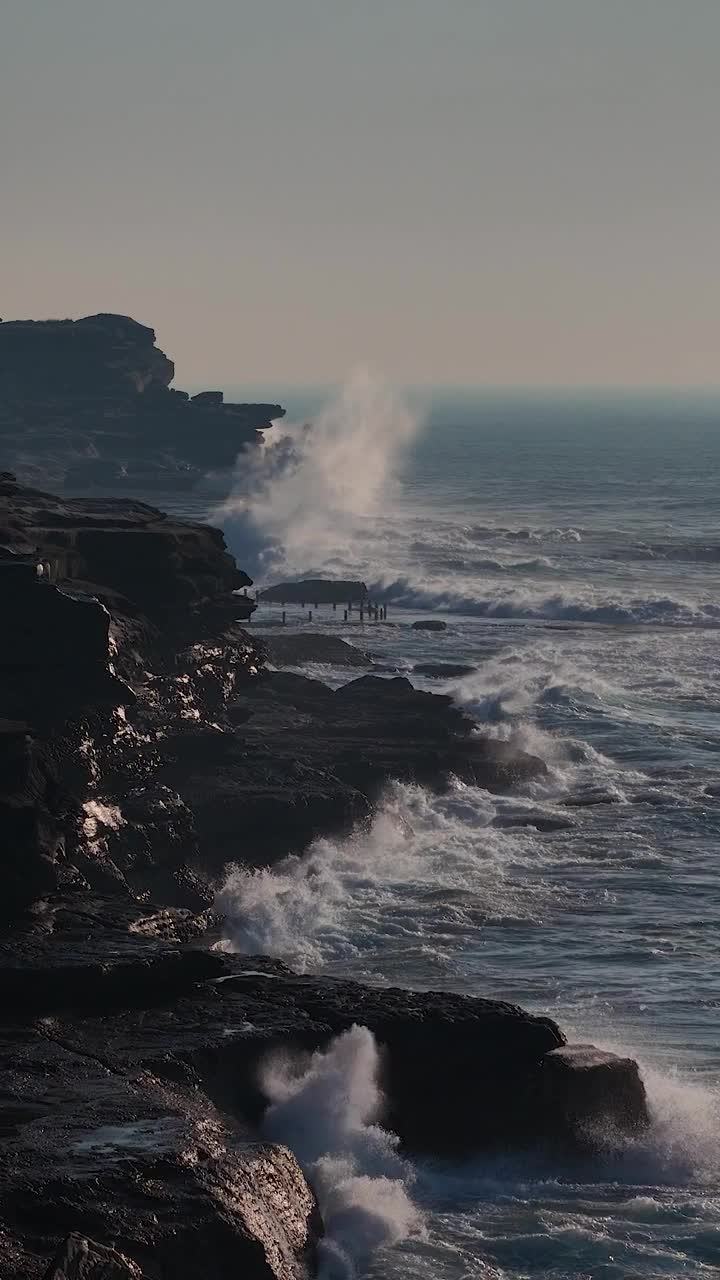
[{"x": 147, "y": 746}]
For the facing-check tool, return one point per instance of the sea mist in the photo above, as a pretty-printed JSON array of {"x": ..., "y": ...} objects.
[{"x": 303, "y": 496}]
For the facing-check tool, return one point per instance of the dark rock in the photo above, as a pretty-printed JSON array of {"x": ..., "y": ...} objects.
[
  {"x": 430, "y": 624},
  {"x": 460, "y": 1074},
  {"x": 443, "y": 670},
  {"x": 591, "y": 1098},
  {"x": 211, "y": 399},
  {"x": 108, "y": 352},
  {"x": 87, "y": 403},
  {"x": 307, "y": 761},
  {"x": 37, "y": 816},
  {"x": 154, "y": 561},
  {"x": 316, "y": 591},
  {"x": 81, "y": 1259},
  {"x": 110, "y": 1154},
  {"x": 297, "y": 650}
]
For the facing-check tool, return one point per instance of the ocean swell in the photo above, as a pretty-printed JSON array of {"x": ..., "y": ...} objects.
[{"x": 590, "y": 607}]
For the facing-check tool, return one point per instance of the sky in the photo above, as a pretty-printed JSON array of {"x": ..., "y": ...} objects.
[{"x": 469, "y": 192}]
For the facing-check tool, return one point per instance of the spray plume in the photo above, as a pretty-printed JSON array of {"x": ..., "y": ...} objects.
[
  {"x": 324, "y": 1108},
  {"x": 309, "y": 488}
]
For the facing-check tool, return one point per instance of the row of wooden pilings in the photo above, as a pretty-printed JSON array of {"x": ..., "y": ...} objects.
[{"x": 373, "y": 612}]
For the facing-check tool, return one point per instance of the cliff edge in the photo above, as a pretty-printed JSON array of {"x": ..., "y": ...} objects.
[{"x": 87, "y": 404}]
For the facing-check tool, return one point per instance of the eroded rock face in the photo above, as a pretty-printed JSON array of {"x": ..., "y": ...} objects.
[
  {"x": 81, "y": 1259},
  {"x": 178, "y": 1188},
  {"x": 103, "y": 352},
  {"x": 155, "y": 562},
  {"x": 88, "y": 403}
]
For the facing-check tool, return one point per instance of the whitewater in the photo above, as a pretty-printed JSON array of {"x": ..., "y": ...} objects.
[{"x": 572, "y": 546}]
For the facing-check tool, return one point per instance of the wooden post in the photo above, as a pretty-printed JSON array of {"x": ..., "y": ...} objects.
[
  {"x": 309, "y": 615},
  {"x": 284, "y": 618},
  {"x": 334, "y": 605},
  {"x": 345, "y": 618}
]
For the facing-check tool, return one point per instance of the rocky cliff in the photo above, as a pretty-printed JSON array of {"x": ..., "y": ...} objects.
[
  {"x": 88, "y": 404},
  {"x": 144, "y": 744}
]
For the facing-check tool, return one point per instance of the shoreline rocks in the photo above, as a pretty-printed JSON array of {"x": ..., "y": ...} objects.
[
  {"x": 144, "y": 746},
  {"x": 284, "y": 650}
]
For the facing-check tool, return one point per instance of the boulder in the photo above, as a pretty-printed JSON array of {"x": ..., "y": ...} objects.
[
  {"x": 591, "y": 1098},
  {"x": 429, "y": 624},
  {"x": 305, "y": 647},
  {"x": 443, "y": 670}
]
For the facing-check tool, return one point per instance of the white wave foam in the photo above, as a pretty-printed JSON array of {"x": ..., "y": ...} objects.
[
  {"x": 427, "y": 873},
  {"x": 470, "y": 597},
  {"x": 325, "y": 1108},
  {"x": 310, "y": 487},
  {"x": 684, "y": 1141}
]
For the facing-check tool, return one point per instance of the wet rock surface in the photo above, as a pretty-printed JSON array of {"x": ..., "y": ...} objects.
[
  {"x": 131, "y": 1041},
  {"x": 287, "y": 650}
]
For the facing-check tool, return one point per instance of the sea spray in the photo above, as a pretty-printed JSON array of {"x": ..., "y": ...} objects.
[
  {"x": 325, "y": 1108},
  {"x": 306, "y": 492},
  {"x": 427, "y": 871}
]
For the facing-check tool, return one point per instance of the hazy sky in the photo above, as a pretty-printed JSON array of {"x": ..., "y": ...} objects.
[{"x": 475, "y": 191}]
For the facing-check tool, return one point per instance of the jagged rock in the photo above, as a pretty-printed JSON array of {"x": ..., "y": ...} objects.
[
  {"x": 305, "y": 760},
  {"x": 148, "y": 1164},
  {"x": 81, "y": 1259},
  {"x": 88, "y": 403},
  {"x": 156, "y": 562}
]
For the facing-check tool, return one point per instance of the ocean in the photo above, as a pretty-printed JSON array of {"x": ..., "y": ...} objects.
[{"x": 571, "y": 542}]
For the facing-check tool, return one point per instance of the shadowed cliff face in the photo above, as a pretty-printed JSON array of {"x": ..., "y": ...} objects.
[{"x": 88, "y": 404}]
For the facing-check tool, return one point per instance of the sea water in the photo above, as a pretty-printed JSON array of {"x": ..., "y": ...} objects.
[{"x": 572, "y": 545}]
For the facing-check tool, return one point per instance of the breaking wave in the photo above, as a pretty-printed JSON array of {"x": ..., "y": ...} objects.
[
  {"x": 405, "y": 592},
  {"x": 325, "y": 1107},
  {"x": 310, "y": 487}
]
